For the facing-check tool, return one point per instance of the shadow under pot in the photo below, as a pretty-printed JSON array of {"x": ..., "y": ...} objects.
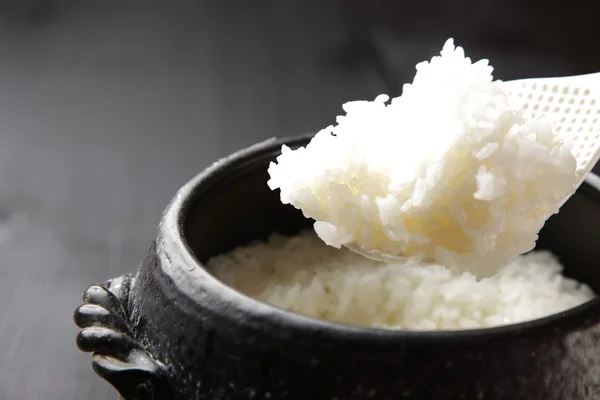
[{"x": 173, "y": 331}]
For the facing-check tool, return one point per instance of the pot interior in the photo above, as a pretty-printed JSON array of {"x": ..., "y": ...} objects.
[{"x": 233, "y": 206}]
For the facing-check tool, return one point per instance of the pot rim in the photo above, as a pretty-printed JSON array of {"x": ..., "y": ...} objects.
[{"x": 190, "y": 276}]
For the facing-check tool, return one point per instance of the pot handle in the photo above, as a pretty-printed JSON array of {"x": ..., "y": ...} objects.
[{"x": 117, "y": 356}]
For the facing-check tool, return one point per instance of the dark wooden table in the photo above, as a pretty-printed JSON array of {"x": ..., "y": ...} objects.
[{"x": 106, "y": 108}]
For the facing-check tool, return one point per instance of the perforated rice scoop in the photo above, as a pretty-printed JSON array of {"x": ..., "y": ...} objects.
[{"x": 572, "y": 101}]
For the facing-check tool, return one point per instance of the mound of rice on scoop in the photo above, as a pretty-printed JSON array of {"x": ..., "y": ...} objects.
[{"x": 448, "y": 171}]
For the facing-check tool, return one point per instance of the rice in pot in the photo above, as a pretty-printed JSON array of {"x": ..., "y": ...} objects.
[{"x": 303, "y": 275}]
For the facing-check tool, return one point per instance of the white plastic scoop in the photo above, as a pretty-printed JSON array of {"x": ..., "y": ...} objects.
[{"x": 572, "y": 101}]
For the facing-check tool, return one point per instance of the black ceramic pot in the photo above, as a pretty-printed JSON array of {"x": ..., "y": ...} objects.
[{"x": 172, "y": 331}]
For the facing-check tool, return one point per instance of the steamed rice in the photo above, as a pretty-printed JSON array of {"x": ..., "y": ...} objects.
[
  {"x": 448, "y": 171},
  {"x": 303, "y": 275}
]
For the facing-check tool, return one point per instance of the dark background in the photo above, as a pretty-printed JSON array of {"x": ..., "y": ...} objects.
[{"x": 107, "y": 107}]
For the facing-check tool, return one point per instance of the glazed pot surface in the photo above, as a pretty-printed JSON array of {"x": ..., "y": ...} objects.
[{"x": 185, "y": 335}]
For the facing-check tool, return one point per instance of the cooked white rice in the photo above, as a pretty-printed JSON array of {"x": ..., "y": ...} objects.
[
  {"x": 448, "y": 171},
  {"x": 303, "y": 275}
]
